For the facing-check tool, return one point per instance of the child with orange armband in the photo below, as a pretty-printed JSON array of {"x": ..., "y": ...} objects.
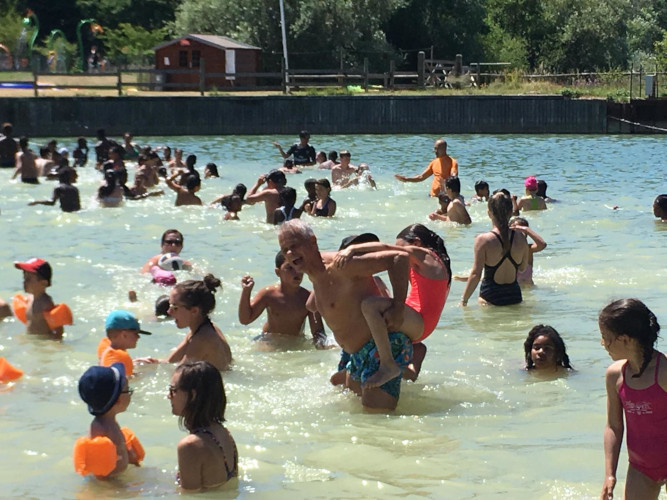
[
  {"x": 107, "y": 449},
  {"x": 123, "y": 331},
  {"x": 37, "y": 309}
]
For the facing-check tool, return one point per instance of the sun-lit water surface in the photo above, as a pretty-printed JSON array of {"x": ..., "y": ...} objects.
[{"x": 473, "y": 425}]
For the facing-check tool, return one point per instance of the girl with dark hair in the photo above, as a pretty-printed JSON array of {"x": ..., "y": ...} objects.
[
  {"x": 207, "y": 457},
  {"x": 660, "y": 207},
  {"x": 430, "y": 279},
  {"x": 501, "y": 253},
  {"x": 110, "y": 194},
  {"x": 637, "y": 387},
  {"x": 545, "y": 350},
  {"x": 190, "y": 303}
]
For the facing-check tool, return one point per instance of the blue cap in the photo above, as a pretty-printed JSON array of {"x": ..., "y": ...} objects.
[
  {"x": 123, "y": 320},
  {"x": 100, "y": 387}
]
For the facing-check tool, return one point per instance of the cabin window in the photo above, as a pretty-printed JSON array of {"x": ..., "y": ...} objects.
[
  {"x": 183, "y": 58},
  {"x": 196, "y": 57}
]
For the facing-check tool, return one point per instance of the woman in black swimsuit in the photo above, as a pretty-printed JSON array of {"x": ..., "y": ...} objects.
[
  {"x": 500, "y": 252},
  {"x": 207, "y": 457},
  {"x": 324, "y": 206}
]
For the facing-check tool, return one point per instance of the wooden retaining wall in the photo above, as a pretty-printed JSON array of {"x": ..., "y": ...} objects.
[{"x": 437, "y": 115}]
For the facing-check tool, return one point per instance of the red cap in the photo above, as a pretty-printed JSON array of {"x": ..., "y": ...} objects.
[{"x": 37, "y": 266}]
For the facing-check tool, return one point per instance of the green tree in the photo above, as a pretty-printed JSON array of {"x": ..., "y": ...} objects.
[
  {"x": 128, "y": 44},
  {"x": 149, "y": 14},
  {"x": 12, "y": 25}
]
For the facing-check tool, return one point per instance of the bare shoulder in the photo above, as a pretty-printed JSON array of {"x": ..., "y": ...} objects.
[
  {"x": 662, "y": 374},
  {"x": 190, "y": 442},
  {"x": 614, "y": 370}
]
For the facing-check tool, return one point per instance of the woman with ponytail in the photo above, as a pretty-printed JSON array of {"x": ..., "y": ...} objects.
[
  {"x": 500, "y": 253},
  {"x": 190, "y": 303},
  {"x": 637, "y": 387}
]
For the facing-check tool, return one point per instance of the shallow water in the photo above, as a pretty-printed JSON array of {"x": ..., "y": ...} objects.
[{"x": 473, "y": 425}]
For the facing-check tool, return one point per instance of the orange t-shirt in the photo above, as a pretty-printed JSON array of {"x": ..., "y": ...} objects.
[
  {"x": 441, "y": 168},
  {"x": 108, "y": 356}
]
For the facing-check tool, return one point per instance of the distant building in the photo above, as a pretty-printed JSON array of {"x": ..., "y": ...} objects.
[{"x": 220, "y": 55}]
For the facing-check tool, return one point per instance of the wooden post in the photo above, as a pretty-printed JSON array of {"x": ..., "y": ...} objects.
[
  {"x": 392, "y": 69},
  {"x": 202, "y": 76},
  {"x": 458, "y": 65},
  {"x": 640, "y": 82},
  {"x": 431, "y": 51},
  {"x": 366, "y": 74},
  {"x": 341, "y": 68},
  {"x": 35, "y": 84},
  {"x": 421, "y": 56},
  {"x": 632, "y": 70},
  {"x": 283, "y": 79},
  {"x": 479, "y": 74},
  {"x": 119, "y": 84}
]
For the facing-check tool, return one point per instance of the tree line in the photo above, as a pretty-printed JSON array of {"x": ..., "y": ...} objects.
[{"x": 533, "y": 35}]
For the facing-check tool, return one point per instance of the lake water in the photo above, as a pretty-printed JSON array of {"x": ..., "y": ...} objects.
[{"x": 473, "y": 425}]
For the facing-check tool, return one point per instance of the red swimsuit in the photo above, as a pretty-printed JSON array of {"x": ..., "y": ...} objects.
[
  {"x": 646, "y": 420},
  {"x": 427, "y": 296}
]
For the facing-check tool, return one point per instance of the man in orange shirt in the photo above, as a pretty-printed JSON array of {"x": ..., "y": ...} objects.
[{"x": 440, "y": 168}]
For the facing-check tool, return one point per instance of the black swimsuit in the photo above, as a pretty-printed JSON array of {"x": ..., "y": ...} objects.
[
  {"x": 500, "y": 294},
  {"x": 233, "y": 472},
  {"x": 324, "y": 211}
]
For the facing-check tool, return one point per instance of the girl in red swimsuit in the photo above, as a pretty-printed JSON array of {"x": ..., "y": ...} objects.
[
  {"x": 637, "y": 387},
  {"x": 430, "y": 278}
]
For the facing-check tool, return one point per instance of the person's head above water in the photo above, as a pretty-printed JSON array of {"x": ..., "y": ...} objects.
[
  {"x": 627, "y": 326},
  {"x": 500, "y": 210},
  {"x": 276, "y": 177},
  {"x": 530, "y": 184},
  {"x": 100, "y": 387},
  {"x": 195, "y": 293},
  {"x": 544, "y": 349},
  {"x": 420, "y": 235},
  {"x": 453, "y": 184},
  {"x": 482, "y": 188},
  {"x": 541, "y": 188},
  {"x": 172, "y": 241},
  {"x": 660, "y": 206},
  {"x": 200, "y": 385}
]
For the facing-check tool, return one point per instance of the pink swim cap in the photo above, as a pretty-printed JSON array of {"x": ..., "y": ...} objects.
[{"x": 530, "y": 183}]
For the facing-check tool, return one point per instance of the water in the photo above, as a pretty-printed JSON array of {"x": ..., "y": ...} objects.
[{"x": 473, "y": 425}]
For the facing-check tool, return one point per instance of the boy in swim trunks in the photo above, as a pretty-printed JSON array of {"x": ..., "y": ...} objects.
[
  {"x": 122, "y": 333},
  {"x": 65, "y": 192},
  {"x": 26, "y": 164},
  {"x": 106, "y": 391},
  {"x": 285, "y": 305},
  {"x": 37, "y": 275}
]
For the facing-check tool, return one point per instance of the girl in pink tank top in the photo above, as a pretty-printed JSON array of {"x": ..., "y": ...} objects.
[
  {"x": 637, "y": 389},
  {"x": 430, "y": 278}
]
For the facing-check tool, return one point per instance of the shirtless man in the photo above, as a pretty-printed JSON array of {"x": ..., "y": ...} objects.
[
  {"x": 65, "y": 192},
  {"x": 44, "y": 163},
  {"x": 456, "y": 210},
  {"x": 337, "y": 295},
  {"x": 344, "y": 170},
  {"x": 185, "y": 195},
  {"x": 442, "y": 167},
  {"x": 275, "y": 181},
  {"x": 25, "y": 163},
  {"x": 8, "y": 146},
  {"x": 285, "y": 304}
]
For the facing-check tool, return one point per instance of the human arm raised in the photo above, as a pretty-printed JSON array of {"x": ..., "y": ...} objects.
[
  {"x": 250, "y": 310},
  {"x": 538, "y": 242}
]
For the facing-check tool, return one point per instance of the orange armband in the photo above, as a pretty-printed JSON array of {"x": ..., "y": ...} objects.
[
  {"x": 20, "y": 304},
  {"x": 8, "y": 372},
  {"x": 133, "y": 444},
  {"x": 95, "y": 456},
  {"x": 58, "y": 316}
]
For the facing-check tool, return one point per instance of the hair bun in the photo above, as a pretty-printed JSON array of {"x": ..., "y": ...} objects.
[{"x": 212, "y": 282}]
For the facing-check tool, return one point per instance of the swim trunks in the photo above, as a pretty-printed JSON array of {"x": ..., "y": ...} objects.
[
  {"x": 29, "y": 180},
  {"x": 366, "y": 361},
  {"x": 646, "y": 421}
]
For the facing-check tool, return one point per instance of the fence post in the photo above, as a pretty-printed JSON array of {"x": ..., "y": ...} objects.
[
  {"x": 341, "y": 68},
  {"x": 458, "y": 65},
  {"x": 392, "y": 69},
  {"x": 366, "y": 74},
  {"x": 283, "y": 81},
  {"x": 632, "y": 70},
  {"x": 35, "y": 85},
  {"x": 640, "y": 82},
  {"x": 202, "y": 76},
  {"x": 119, "y": 85},
  {"x": 421, "y": 56},
  {"x": 479, "y": 75}
]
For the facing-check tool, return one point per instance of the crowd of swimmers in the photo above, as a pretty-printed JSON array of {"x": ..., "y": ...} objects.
[{"x": 380, "y": 328}]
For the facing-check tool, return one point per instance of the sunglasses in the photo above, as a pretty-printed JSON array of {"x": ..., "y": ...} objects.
[
  {"x": 172, "y": 390},
  {"x": 173, "y": 242}
]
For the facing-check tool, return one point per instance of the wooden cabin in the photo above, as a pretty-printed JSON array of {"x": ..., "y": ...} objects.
[{"x": 220, "y": 55}]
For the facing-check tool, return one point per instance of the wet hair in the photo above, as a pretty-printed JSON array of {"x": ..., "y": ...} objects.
[
  {"x": 333, "y": 155},
  {"x": 304, "y": 133},
  {"x": 7, "y": 128},
  {"x": 171, "y": 231},
  {"x": 277, "y": 177},
  {"x": 206, "y": 394},
  {"x": 43, "y": 151},
  {"x": 430, "y": 240},
  {"x": 310, "y": 183},
  {"x": 23, "y": 142},
  {"x": 661, "y": 202},
  {"x": 101, "y": 133},
  {"x": 453, "y": 183},
  {"x": 502, "y": 190},
  {"x": 480, "y": 185},
  {"x": 321, "y": 154},
  {"x": 519, "y": 221},
  {"x": 199, "y": 293},
  {"x": 213, "y": 169},
  {"x": 500, "y": 206},
  {"x": 64, "y": 174},
  {"x": 81, "y": 141},
  {"x": 107, "y": 189},
  {"x": 240, "y": 190},
  {"x": 345, "y": 152},
  {"x": 288, "y": 163},
  {"x": 562, "y": 359},
  {"x": 631, "y": 317},
  {"x": 118, "y": 150},
  {"x": 190, "y": 161},
  {"x": 192, "y": 182},
  {"x": 541, "y": 188},
  {"x": 287, "y": 197},
  {"x": 280, "y": 259}
]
